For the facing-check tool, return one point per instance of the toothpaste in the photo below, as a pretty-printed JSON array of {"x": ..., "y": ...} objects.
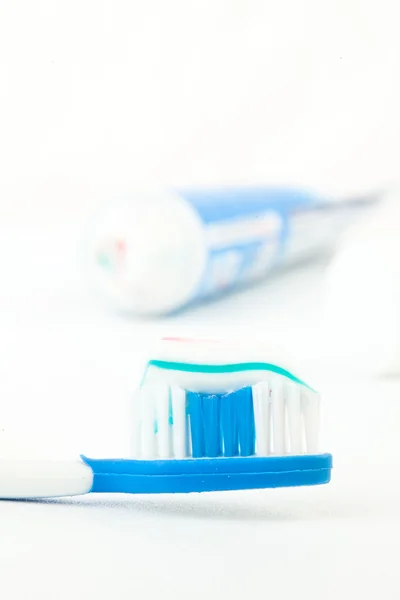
[{"x": 163, "y": 251}]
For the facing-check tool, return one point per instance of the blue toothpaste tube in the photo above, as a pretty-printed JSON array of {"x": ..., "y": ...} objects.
[{"x": 158, "y": 252}]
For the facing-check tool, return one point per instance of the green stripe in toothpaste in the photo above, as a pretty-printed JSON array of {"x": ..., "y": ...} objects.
[{"x": 231, "y": 368}]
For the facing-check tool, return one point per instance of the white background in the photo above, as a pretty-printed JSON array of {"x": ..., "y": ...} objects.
[
  {"x": 95, "y": 98},
  {"x": 96, "y": 94}
]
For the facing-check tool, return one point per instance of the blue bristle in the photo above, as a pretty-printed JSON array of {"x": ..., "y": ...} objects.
[
  {"x": 211, "y": 423},
  {"x": 196, "y": 424},
  {"x": 245, "y": 420},
  {"x": 222, "y": 424},
  {"x": 229, "y": 430}
]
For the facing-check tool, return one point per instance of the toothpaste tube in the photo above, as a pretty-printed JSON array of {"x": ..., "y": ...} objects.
[{"x": 163, "y": 251}]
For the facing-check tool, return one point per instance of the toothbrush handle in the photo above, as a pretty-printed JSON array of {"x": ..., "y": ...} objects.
[
  {"x": 207, "y": 474},
  {"x": 34, "y": 478},
  {"x": 30, "y": 478}
]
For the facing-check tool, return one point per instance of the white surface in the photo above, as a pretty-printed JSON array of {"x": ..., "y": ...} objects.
[
  {"x": 43, "y": 478},
  {"x": 98, "y": 96},
  {"x": 370, "y": 301},
  {"x": 66, "y": 367}
]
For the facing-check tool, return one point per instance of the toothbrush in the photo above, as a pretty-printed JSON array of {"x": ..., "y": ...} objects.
[{"x": 208, "y": 416}]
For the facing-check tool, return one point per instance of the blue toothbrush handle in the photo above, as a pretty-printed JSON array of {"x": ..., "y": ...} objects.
[{"x": 207, "y": 474}]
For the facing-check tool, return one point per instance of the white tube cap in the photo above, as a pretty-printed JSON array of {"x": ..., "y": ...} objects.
[{"x": 147, "y": 254}]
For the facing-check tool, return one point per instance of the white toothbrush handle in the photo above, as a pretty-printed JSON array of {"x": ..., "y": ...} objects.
[{"x": 35, "y": 478}]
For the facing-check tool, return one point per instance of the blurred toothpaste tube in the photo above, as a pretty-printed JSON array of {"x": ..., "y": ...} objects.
[{"x": 161, "y": 251}]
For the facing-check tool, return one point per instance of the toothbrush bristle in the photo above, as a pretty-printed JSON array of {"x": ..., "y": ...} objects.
[{"x": 271, "y": 418}]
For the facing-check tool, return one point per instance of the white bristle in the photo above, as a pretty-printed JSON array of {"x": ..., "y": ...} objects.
[
  {"x": 310, "y": 402},
  {"x": 293, "y": 405},
  {"x": 179, "y": 428},
  {"x": 147, "y": 417},
  {"x": 261, "y": 401},
  {"x": 286, "y": 416},
  {"x": 278, "y": 417},
  {"x": 287, "y": 438},
  {"x": 135, "y": 449},
  {"x": 163, "y": 427}
]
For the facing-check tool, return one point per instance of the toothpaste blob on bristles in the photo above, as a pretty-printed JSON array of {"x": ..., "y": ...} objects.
[{"x": 214, "y": 366}]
